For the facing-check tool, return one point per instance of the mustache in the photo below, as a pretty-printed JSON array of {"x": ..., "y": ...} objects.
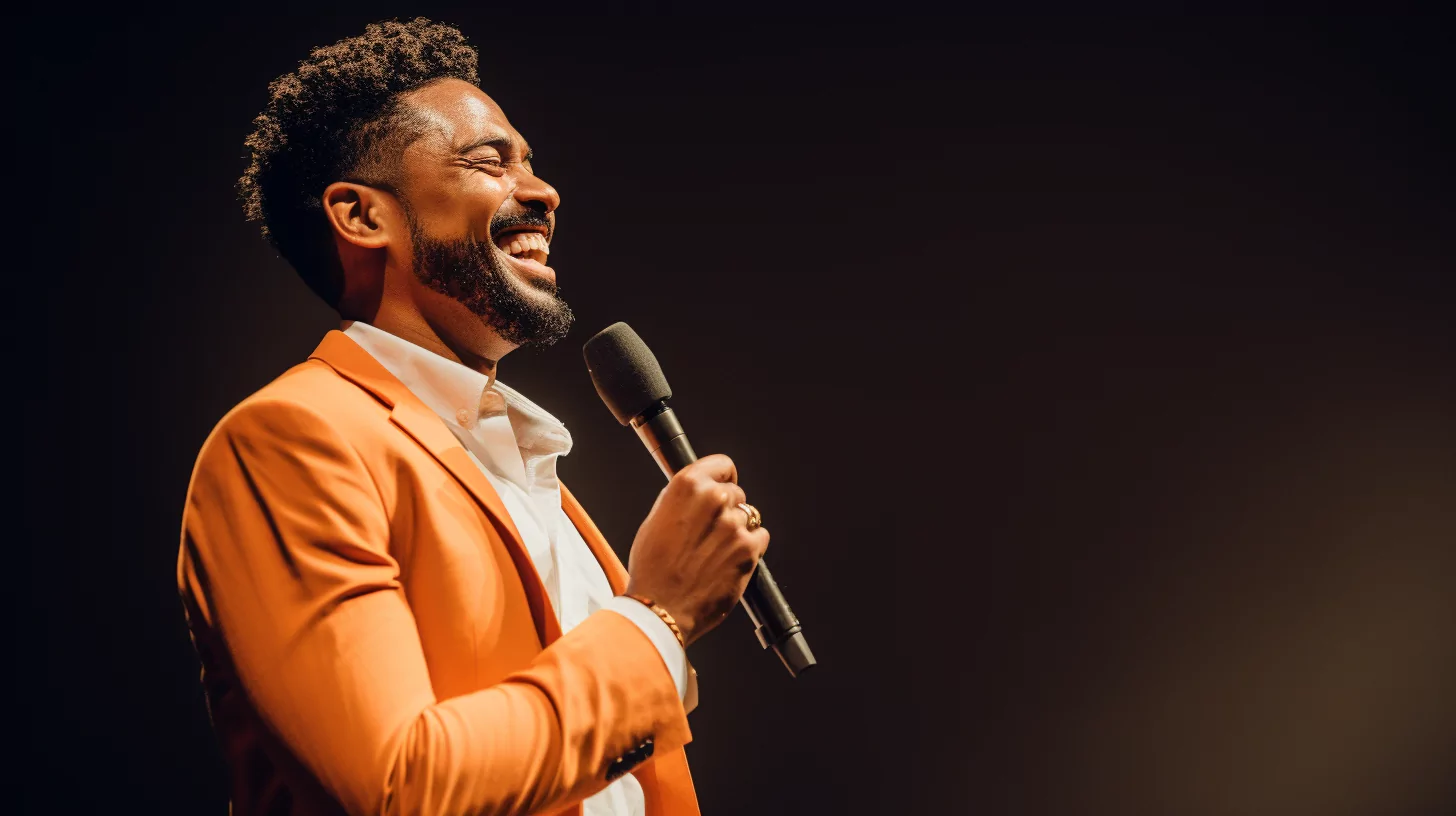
[{"x": 524, "y": 218}]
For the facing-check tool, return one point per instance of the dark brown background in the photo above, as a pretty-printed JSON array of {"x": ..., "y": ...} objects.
[{"x": 1095, "y": 375}]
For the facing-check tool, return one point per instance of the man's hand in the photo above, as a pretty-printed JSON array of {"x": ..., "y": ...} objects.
[{"x": 694, "y": 554}]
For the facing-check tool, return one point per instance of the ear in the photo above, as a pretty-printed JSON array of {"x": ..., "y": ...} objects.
[{"x": 364, "y": 216}]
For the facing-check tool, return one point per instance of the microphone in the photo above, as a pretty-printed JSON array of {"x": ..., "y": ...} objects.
[{"x": 631, "y": 383}]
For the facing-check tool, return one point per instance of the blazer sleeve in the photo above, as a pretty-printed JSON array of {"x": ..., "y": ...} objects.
[{"x": 286, "y": 546}]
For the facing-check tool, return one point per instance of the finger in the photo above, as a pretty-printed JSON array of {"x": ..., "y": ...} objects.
[
  {"x": 730, "y": 521},
  {"x": 731, "y": 495},
  {"x": 752, "y": 547},
  {"x": 711, "y": 498},
  {"x": 723, "y": 510},
  {"x": 661, "y": 496},
  {"x": 758, "y": 539},
  {"x": 717, "y": 467}
]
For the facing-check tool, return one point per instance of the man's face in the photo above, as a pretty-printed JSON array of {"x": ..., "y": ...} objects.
[{"x": 481, "y": 222}]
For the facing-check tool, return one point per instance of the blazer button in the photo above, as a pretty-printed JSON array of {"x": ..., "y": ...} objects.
[{"x": 626, "y": 762}]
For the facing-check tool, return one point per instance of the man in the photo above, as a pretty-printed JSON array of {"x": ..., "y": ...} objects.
[{"x": 398, "y": 607}]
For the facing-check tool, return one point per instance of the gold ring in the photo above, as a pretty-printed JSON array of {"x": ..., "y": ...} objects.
[{"x": 755, "y": 519}]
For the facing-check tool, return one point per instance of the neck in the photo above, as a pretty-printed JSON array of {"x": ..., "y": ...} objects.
[{"x": 442, "y": 325}]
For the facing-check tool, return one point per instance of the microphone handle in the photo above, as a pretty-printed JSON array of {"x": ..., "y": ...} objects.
[{"x": 774, "y": 622}]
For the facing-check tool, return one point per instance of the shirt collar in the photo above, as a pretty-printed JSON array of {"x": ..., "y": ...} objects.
[{"x": 459, "y": 394}]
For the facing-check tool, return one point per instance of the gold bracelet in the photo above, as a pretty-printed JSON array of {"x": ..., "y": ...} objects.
[{"x": 661, "y": 613}]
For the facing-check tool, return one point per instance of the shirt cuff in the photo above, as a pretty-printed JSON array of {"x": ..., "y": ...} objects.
[{"x": 661, "y": 636}]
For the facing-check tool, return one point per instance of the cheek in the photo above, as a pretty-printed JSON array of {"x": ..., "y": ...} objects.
[
  {"x": 457, "y": 210},
  {"x": 480, "y": 202}
]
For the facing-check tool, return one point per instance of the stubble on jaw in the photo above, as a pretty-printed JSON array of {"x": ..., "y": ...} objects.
[{"x": 470, "y": 272}]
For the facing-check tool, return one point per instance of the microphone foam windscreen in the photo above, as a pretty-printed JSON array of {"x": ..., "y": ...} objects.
[{"x": 625, "y": 372}]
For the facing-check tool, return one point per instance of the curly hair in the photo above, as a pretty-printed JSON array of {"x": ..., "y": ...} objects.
[{"x": 338, "y": 117}]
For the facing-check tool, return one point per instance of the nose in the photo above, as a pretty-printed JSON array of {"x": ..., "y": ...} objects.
[{"x": 535, "y": 194}]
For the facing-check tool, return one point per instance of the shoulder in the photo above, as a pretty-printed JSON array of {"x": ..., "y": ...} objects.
[
  {"x": 309, "y": 402},
  {"x": 308, "y": 438},
  {"x": 314, "y": 385}
]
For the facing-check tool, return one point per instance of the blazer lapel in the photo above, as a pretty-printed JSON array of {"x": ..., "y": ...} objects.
[
  {"x": 611, "y": 565},
  {"x": 667, "y": 785},
  {"x": 356, "y": 365}
]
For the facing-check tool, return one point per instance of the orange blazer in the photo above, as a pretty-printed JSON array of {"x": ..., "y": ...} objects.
[{"x": 373, "y": 636}]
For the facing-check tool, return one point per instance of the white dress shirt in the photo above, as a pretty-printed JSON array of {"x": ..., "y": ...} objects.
[{"x": 515, "y": 444}]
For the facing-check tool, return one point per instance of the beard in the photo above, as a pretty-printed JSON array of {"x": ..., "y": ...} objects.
[{"x": 524, "y": 310}]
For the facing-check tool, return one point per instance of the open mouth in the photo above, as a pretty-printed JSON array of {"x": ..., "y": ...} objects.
[{"x": 524, "y": 245}]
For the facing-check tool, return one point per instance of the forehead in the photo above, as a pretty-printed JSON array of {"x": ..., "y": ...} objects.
[{"x": 456, "y": 114}]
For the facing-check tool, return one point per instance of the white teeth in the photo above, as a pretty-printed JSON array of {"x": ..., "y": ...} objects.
[{"x": 523, "y": 242}]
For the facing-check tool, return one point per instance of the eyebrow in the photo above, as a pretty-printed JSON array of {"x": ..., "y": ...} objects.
[{"x": 500, "y": 142}]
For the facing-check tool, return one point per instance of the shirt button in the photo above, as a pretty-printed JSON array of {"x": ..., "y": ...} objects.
[
  {"x": 492, "y": 403},
  {"x": 463, "y": 417}
]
